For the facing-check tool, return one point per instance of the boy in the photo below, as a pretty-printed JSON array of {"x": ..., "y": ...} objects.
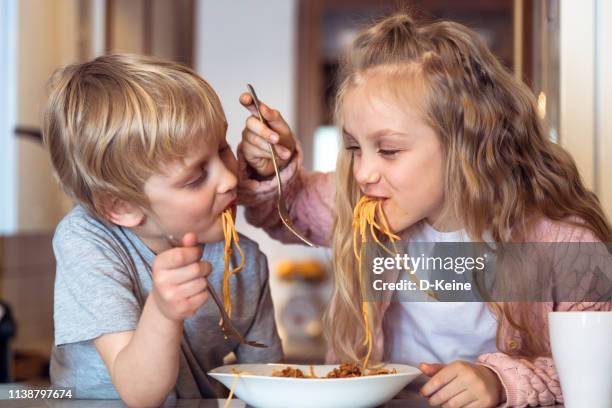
[{"x": 139, "y": 145}]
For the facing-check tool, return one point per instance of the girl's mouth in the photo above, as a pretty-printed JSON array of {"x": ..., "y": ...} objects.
[{"x": 377, "y": 197}]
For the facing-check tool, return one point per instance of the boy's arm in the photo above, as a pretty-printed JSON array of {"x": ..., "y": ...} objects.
[
  {"x": 309, "y": 198},
  {"x": 95, "y": 300},
  {"x": 143, "y": 364}
]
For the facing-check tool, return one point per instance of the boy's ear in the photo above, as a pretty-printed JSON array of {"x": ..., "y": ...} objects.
[{"x": 123, "y": 213}]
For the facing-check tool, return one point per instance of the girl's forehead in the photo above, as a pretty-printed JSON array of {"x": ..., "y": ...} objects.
[
  {"x": 399, "y": 83},
  {"x": 369, "y": 103},
  {"x": 368, "y": 110}
]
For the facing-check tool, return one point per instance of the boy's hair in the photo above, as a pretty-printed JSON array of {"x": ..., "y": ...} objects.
[{"x": 112, "y": 122}]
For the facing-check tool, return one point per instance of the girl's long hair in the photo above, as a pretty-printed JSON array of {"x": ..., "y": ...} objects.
[{"x": 502, "y": 172}]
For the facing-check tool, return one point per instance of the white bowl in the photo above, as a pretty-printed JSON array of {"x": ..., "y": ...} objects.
[{"x": 261, "y": 390}]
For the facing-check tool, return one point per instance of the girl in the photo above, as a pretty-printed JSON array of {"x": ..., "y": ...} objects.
[{"x": 437, "y": 128}]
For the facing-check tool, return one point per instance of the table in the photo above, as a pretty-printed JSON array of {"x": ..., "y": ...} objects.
[{"x": 407, "y": 398}]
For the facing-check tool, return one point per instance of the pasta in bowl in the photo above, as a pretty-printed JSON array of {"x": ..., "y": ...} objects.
[{"x": 304, "y": 386}]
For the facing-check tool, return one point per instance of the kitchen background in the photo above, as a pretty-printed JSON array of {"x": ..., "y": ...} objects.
[{"x": 289, "y": 50}]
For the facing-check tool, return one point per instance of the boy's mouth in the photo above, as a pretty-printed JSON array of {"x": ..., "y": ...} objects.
[{"x": 231, "y": 206}]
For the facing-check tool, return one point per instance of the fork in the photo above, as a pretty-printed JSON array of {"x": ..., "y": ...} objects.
[
  {"x": 228, "y": 328},
  {"x": 226, "y": 323},
  {"x": 280, "y": 201}
]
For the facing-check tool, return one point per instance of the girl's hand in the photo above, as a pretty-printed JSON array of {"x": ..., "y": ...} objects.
[
  {"x": 256, "y": 135},
  {"x": 461, "y": 384}
]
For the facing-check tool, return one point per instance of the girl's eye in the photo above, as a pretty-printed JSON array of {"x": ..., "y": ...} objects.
[
  {"x": 387, "y": 152},
  {"x": 352, "y": 148}
]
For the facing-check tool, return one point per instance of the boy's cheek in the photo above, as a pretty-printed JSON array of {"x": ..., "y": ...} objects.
[{"x": 214, "y": 233}]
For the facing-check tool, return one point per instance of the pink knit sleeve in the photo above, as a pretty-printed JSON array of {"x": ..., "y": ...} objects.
[
  {"x": 309, "y": 198},
  {"x": 531, "y": 383},
  {"x": 525, "y": 383}
]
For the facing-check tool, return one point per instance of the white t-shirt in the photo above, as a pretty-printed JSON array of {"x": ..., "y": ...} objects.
[{"x": 437, "y": 332}]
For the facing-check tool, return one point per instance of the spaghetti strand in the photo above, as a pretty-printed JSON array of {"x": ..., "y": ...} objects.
[
  {"x": 364, "y": 216},
  {"x": 231, "y": 236}
]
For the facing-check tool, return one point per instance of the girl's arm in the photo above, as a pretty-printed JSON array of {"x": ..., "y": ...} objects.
[
  {"x": 536, "y": 382},
  {"x": 530, "y": 383},
  {"x": 309, "y": 198}
]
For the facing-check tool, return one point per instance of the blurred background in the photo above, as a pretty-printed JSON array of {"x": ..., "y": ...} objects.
[{"x": 288, "y": 49}]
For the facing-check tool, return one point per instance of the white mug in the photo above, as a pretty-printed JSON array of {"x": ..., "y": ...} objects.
[{"x": 581, "y": 345}]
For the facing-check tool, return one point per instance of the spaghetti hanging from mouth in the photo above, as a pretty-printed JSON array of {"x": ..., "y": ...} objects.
[
  {"x": 231, "y": 235},
  {"x": 365, "y": 216}
]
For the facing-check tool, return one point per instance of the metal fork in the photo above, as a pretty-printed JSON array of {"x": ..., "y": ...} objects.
[
  {"x": 280, "y": 202},
  {"x": 226, "y": 323}
]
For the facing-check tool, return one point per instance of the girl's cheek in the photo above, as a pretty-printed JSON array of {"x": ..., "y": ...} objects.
[
  {"x": 356, "y": 163},
  {"x": 400, "y": 176}
]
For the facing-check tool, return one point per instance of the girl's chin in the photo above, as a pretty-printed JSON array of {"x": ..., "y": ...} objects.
[{"x": 398, "y": 219}]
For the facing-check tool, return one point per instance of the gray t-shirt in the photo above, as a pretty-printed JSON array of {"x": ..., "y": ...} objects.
[{"x": 102, "y": 280}]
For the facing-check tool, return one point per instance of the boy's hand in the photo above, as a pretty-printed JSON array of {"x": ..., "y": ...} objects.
[
  {"x": 461, "y": 384},
  {"x": 179, "y": 280},
  {"x": 255, "y": 136}
]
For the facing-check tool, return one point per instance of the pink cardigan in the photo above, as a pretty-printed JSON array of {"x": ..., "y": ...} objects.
[{"x": 310, "y": 199}]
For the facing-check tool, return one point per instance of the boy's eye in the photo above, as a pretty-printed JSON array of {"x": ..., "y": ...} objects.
[{"x": 196, "y": 182}]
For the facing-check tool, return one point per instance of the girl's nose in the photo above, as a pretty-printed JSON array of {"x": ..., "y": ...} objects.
[{"x": 366, "y": 174}]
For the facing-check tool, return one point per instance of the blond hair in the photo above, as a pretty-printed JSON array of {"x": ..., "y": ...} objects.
[
  {"x": 112, "y": 122},
  {"x": 502, "y": 171}
]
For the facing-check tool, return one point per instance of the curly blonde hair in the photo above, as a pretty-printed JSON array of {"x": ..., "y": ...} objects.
[{"x": 502, "y": 172}]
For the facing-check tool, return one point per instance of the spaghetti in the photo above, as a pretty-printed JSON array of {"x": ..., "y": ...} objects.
[
  {"x": 345, "y": 370},
  {"x": 348, "y": 370},
  {"x": 365, "y": 215},
  {"x": 228, "y": 401},
  {"x": 231, "y": 235}
]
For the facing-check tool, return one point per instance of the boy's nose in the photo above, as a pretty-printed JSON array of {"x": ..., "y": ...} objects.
[{"x": 227, "y": 181}]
